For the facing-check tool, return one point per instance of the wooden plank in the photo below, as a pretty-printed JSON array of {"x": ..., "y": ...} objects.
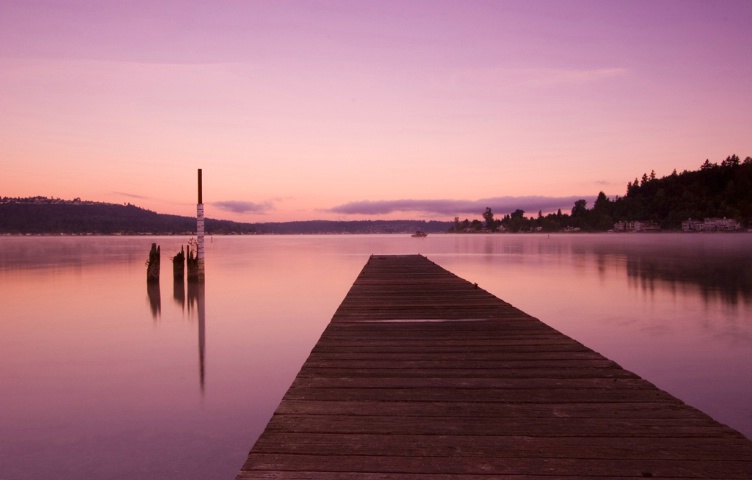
[
  {"x": 499, "y": 367},
  {"x": 479, "y": 358},
  {"x": 421, "y": 374},
  {"x": 494, "y": 465},
  {"x": 317, "y": 475},
  {"x": 465, "y": 371},
  {"x": 482, "y": 426},
  {"x": 634, "y": 448},
  {"x": 496, "y": 410},
  {"x": 477, "y": 383},
  {"x": 482, "y": 395}
]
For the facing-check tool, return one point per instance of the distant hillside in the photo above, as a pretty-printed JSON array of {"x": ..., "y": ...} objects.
[{"x": 42, "y": 215}]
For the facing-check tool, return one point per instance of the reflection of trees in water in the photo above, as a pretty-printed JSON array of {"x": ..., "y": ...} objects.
[
  {"x": 718, "y": 265},
  {"x": 729, "y": 279},
  {"x": 718, "y": 274}
]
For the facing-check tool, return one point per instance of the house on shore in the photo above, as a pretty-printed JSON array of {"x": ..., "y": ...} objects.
[
  {"x": 711, "y": 225},
  {"x": 636, "y": 226}
]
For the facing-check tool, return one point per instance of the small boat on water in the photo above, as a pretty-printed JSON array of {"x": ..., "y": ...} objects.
[{"x": 419, "y": 233}]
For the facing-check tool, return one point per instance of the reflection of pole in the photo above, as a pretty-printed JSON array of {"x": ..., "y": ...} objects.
[
  {"x": 201, "y": 334},
  {"x": 196, "y": 301},
  {"x": 200, "y": 230}
]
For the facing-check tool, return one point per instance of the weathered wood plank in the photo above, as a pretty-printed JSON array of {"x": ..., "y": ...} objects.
[
  {"x": 482, "y": 426},
  {"x": 421, "y": 374},
  {"x": 478, "y": 357},
  {"x": 495, "y": 410},
  {"x": 475, "y": 383},
  {"x": 481, "y": 395},
  {"x": 500, "y": 367},
  {"x": 490, "y": 465},
  {"x": 464, "y": 371},
  {"x": 318, "y": 475},
  {"x": 410, "y": 445}
]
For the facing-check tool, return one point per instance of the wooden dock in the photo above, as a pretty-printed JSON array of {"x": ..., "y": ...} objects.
[{"x": 421, "y": 374}]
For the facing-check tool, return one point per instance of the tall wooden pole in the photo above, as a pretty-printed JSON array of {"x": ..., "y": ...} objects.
[
  {"x": 200, "y": 192},
  {"x": 200, "y": 258},
  {"x": 200, "y": 230}
]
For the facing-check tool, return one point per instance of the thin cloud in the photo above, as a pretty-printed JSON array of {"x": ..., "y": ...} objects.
[
  {"x": 447, "y": 207},
  {"x": 555, "y": 77},
  {"x": 607, "y": 183},
  {"x": 132, "y": 195},
  {"x": 491, "y": 79},
  {"x": 239, "y": 206}
]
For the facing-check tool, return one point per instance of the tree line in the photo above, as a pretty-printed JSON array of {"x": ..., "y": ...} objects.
[{"x": 715, "y": 190}]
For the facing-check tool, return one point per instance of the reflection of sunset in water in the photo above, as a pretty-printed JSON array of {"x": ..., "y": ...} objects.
[{"x": 98, "y": 370}]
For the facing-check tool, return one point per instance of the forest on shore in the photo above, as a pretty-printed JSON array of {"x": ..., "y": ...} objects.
[{"x": 714, "y": 191}]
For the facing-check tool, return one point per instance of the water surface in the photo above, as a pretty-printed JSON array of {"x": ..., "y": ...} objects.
[{"x": 103, "y": 377}]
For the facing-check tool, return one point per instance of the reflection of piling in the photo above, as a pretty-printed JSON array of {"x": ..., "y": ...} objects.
[
  {"x": 178, "y": 266},
  {"x": 178, "y": 293},
  {"x": 178, "y": 275},
  {"x": 155, "y": 299},
  {"x": 152, "y": 265}
]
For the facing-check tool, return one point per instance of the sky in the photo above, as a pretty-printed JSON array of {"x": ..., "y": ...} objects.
[{"x": 364, "y": 109}]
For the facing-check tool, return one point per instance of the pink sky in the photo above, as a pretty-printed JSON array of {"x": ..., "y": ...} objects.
[{"x": 299, "y": 110}]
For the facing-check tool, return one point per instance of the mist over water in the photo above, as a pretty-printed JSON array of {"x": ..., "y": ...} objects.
[{"x": 104, "y": 377}]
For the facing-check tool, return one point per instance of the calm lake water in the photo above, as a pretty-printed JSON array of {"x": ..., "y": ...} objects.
[{"x": 104, "y": 378}]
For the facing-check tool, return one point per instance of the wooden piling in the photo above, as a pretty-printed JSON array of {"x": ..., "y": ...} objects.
[
  {"x": 152, "y": 264},
  {"x": 191, "y": 262},
  {"x": 178, "y": 265}
]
